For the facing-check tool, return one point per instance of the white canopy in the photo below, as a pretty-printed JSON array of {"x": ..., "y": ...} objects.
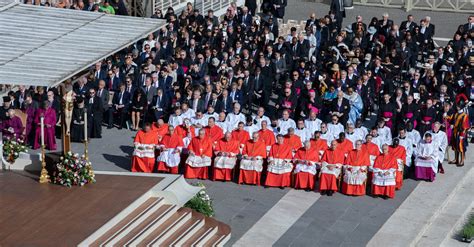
[{"x": 43, "y": 46}]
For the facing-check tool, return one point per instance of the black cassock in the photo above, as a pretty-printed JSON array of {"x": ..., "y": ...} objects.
[
  {"x": 77, "y": 131},
  {"x": 388, "y": 111},
  {"x": 429, "y": 117},
  {"x": 95, "y": 112}
]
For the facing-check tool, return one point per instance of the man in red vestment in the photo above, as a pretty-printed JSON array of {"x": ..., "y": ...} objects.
[
  {"x": 355, "y": 171},
  {"x": 240, "y": 135},
  {"x": 213, "y": 131},
  {"x": 170, "y": 146},
  {"x": 143, "y": 159},
  {"x": 343, "y": 144},
  {"x": 319, "y": 144},
  {"x": 160, "y": 128},
  {"x": 226, "y": 151},
  {"x": 293, "y": 140},
  {"x": 384, "y": 174},
  {"x": 251, "y": 165},
  {"x": 331, "y": 165},
  {"x": 266, "y": 135},
  {"x": 279, "y": 164},
  {"x": 306, "y": 161},
  {"x": 200, "y": 153},
  {"x": 400, "y": 154},
  {"x": 374, "y": 151}
]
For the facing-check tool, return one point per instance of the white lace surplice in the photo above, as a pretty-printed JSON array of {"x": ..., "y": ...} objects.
[
  {"x": 252, "y": 165},
  {"x": 380, "y": 179},
  {"x": 170, "y": 158},
  {"x": 144, "y": 150},
  {"x": 336, "y": 171},
  {"x": 198, "y": 161},
  {"x": 280, "y": 166},
  {"x": 224, "y": 162},
  {"x": 354, "y": 176}
]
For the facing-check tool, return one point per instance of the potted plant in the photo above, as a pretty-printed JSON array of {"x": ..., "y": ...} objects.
[{"x": 201, "y": 202}]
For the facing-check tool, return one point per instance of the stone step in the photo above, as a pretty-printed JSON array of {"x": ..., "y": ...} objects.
[
  {"x": 416, "y": 214},
  {"x": 133, "y": 216},
  {"x": 133, "y": 223},
  {"x": 159, "y": 216},
  {"x": 220, "y": 238},
  {"x": 163, "y": 230},
  {"x": 445, "y": 226},
  {"x": 185, "y": 231},
  {"x": 210, "y": 229}
]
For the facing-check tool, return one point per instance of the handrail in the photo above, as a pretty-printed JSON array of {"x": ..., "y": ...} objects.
[{"x": 464, "y": 6}]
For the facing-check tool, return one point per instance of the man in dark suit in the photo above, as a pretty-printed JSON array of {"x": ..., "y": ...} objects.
[
  {"x": 196, "y": 103},
  {"x": 95, "y": 112},
  {"x": 359, "y": 22},
  {"x": 216, "y": 103},
  {"x": 245, "y": 18},
  {"x": 385, "y": 24},
  {"x": 112, "y": 82},
  {"x": 104, "y": 96},
  {"x": 258, "y": 84},
  {"x": 235, "y": 94},
  {"x": 141, "y": 78},
  {"x": 99, "y": 72},
  {"x": 251, "y": 5},
  {"x": 150, "y": 91},
  {"x": 80, "y": 88},
  {"x": 279, "y": 8},
  {"x": 121, "y": 102},
  {"x": 337, "y": 8},
  {"x": 408, "y": 25},
  {"x": 159, "y": 105},
  {"x": 247, "y": 90},
  {"x": 226, "y": 101},
  {"x": 302, "y": 50},
  {"x": 340, "y": 107},
  {"x": 129, "y": 87}
]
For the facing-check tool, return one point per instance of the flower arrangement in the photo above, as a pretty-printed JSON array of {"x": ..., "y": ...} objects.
[
  {"x": 201, "y": 202},
  {"x": 12, "y": 149},
  {"x": 73, "y": 169}
]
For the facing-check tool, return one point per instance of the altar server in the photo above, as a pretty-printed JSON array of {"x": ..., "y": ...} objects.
[
  {"x": 441, "y": 140},
  {"x": 426, "y": 162}
]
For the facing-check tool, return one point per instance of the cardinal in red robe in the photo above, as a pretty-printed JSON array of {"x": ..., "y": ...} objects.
[
  {"x": 240, "y": 135},
  {"x": 200, "y": 154},
  {"x": 213, "y": 131},
  {"x": 143, "y": 159},
  {"x": 385, "y": 167},
  {"x": 160, "y": 128},
  {"x": 355, "y": 171},
  {"x": 185, "y": 131},
  {"x": 306, "y": 160},
  {"x": 171, "y": 144},
  {"x": 400, "y": 154},
  {"x": 266, "y": 135},
  {"x": 318, "y": 143},
  {"x": 251, "y": 165},
  {"x": 279, "y": 164},
  {"x": 343, "y": 144},
  {"x": 226, "y": 151},
  {"x": 332, "y": 162},
  {"x": 374, "y": 151},
  {"x": 294, "y": 141}
]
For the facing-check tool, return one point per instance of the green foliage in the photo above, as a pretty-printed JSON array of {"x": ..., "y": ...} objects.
[
  {"x": 12, "y": 149},
  {"x": 468, "y": 229},
  {"x": 201, "y": 202}
]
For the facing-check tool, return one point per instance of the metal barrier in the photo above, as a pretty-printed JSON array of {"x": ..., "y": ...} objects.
[{"x": 466, "y": 6}]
